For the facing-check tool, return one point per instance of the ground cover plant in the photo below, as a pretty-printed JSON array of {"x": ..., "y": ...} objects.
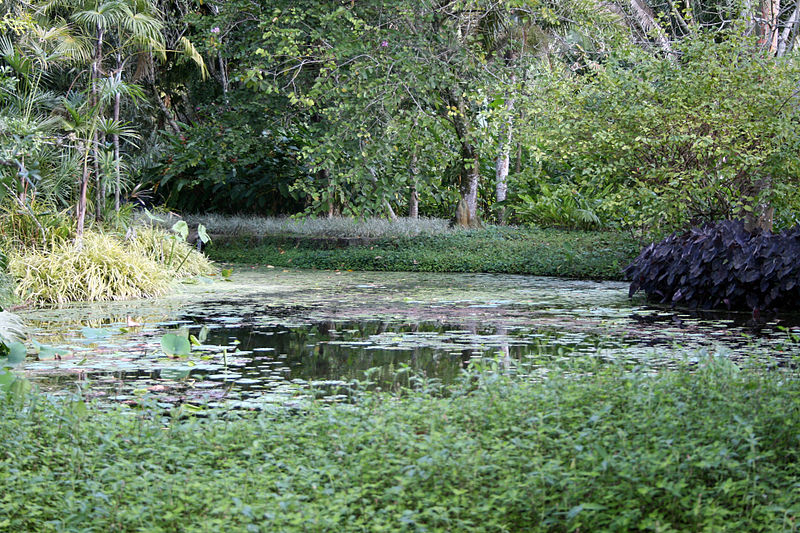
[
  {"x": 334, "y": 227},
  {"x": 572, "y": 254},
  {"x": 704, "y": 448}
]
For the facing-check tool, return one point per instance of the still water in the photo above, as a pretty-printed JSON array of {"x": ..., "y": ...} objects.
[{"x": 269, "y": 336}]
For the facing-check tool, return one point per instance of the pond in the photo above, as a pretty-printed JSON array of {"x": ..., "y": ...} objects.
[{"x": 268, "y": 337}]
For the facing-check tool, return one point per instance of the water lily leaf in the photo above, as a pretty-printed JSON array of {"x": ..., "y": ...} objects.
[
  {"x": 95, "y": 333},
  {"x": 16, "y": 353},
  {"x": 173, "y": 344}
]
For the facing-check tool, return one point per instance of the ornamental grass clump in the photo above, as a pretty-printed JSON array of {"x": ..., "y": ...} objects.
[
  {"x": 102, "y": 267},
  {"x": 721, "y": 266},
  {"x": 171, "y": 251}
]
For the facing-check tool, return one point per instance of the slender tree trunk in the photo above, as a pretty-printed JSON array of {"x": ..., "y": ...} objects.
[
  {"x": 413, "y": 199},
  {"x": 503, "y": 160},
  {"x": 768, "y": 27},
  {"x": 115, "y": 140},
  {"x": 223, "y": 74},
  {"x": 99, "y": 190},
  {"x": 170, "y": 118},
  {"x": 80, "y": 211},
  {"x": 23, "y": 184},
  {"x": 789, "y": 33},
  {"x": 646, "y": 18}
]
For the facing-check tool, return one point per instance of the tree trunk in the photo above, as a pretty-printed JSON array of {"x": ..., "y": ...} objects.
[
  {"x": 467, "y": 209},
  {"x": 503, "y": 161},
  {"x": 760, "y": 213},
  {"x": 173, "y": 124},
  {"x": 470, "y": 170},
  {"x": 413, "y": 200},
  {"x": 413, "y": 203},
  {"x": 646, "y": 18},
  {"x": 99, "y": 191},
  {"x": 789, "y": 33},
  {"x": 81, "y": 206},
  {"x": 117, "y": 173},
  {"x": 768, "y": 26}
]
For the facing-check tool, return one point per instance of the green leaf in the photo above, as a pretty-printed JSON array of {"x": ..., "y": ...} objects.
[
  {"x": 173, "y": 344},
  {"x": 181, "y": 228},
  {"x": 16, "y": 353},
  {"x": 202, "y": 235}
]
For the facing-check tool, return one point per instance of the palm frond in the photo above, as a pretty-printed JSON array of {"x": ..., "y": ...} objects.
[
  {"x": 187, "y": 48},
  {"x": 109, "y": 126}
]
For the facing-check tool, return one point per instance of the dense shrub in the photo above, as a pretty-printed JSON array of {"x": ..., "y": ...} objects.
[
  {"x": 104, "y": 267},
  {"x": 705, "y": 449},
  {"x": 721, "y": 265},
  {"x": 680, "y": 138}
]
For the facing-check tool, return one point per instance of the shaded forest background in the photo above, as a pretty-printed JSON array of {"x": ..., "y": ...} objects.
[{"x": 633, "y": 116}]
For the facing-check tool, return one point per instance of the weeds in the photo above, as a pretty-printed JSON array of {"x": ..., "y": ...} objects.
[
  {"x": 170, "y": 250},
  {"x": 685, "y": 450},
  {"x": 104, "y": 267}
]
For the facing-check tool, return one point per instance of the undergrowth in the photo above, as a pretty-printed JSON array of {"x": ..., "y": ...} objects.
[
  {"x": 337, "y": 227},
  {"x": 103, "y": 267},
  {"x": 572, "y": 254},
  {"x": 706, "y": 449}
]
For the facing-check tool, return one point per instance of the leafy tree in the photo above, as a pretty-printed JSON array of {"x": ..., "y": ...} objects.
[
  {"x": 686, "y": 138},
  {"x": 355, "y": 71}
]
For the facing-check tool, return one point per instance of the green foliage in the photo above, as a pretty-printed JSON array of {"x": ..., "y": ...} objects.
[
  {"x": 588, "y": 255},
  {"x": 104, "y": 267},
  {"x": 559, "y": 205},
  {"x": 688, "y": 137},
  {"x": 337, "y": 227},
  {"x": 170, "y": 251},
  {"x": 101, "y": 267},
  {"x": 704, "y": 449},
  {"x": 232, "y": 161},
  {"x": 32, "y": 224},
  {"x": 175, "y": 345}
]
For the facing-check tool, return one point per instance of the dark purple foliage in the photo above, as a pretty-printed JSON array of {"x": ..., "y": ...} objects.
[{"x": 721, "y": 266}]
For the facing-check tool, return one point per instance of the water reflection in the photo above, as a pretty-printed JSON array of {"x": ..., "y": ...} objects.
[{"x": 276, "y": 336}]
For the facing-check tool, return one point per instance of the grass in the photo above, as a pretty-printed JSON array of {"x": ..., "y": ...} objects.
[
  {"x": 711, "y": 449},
  {"x": 571, "y": 254},
  {"x": 103, "y": 267},
  {"x": 335, "y": 227}
]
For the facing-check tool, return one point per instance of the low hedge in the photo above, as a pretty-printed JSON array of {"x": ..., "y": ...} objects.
[{"x": 570, "y": 254}]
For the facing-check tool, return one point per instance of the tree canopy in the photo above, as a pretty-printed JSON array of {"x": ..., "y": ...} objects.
[{"x": 642, "y": 116}]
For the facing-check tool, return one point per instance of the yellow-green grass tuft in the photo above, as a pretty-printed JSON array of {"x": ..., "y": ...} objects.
[
  {"x": 101, "y": 268},
  {"x": 169, "y": 250}
]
